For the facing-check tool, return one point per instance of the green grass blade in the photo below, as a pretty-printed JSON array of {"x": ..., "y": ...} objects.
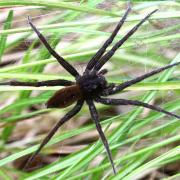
[
  {"x": 59, "y": 5},
  {"x": 3, "y": 38},
  {"x": 154, "y": 163}
]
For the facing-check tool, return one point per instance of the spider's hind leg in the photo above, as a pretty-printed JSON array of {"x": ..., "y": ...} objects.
[
  {"x": 94, "y": 115},
  {"x": 63, "y": 120}
]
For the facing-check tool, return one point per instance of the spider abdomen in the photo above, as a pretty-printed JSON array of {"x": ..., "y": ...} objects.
[{"x": 65, "y": 97}]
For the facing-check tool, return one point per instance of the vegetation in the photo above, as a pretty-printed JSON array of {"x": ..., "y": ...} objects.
[{"x": 143, "y": 142}]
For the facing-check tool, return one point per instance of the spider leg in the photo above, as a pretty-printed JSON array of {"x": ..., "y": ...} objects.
[
  {"x": 103, "y": 72},
  {"x": 94, "y": 115},
  {"x": 137, "y": 79},
  {"x": 57, "y": 82},
  {"x": 109, "y": 101},
  {"x": 109, "y": 54},
  {"x": 60, "y": 59},
  {"x": 68, "y": 116},
  {"x": 101, "y": 51},
  {"x": 108, "y": 88}
]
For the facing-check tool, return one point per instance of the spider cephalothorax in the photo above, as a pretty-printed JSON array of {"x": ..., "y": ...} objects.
[
  {"x": 91, "y": 86},
  {"x": 92, "y": 83}
]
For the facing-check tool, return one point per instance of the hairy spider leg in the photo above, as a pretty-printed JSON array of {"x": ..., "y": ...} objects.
[
  {"x": 101, "y": 51},
  {"x": 103, "y": 71},
  {"x": 110, "y": 101},
  {"x": 63, "y": 120},
  {"x": 57, "y": 82},
  {"x": 94, "y": 115},
  {"x": 60, "y": 59},
  {"x": 109, "y": 54},
  {"x": 126, "y": 84}
]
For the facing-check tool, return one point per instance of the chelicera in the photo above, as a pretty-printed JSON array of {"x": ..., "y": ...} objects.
[{"x": 91, "y": 85}]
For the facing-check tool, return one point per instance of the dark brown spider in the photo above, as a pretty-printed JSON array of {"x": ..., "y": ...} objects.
[{"x": 90, "y": 86}]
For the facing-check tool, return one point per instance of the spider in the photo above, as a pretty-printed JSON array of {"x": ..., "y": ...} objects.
[{"x": 91, "y": 85}]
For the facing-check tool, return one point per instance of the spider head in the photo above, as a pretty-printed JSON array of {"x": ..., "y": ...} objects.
[{"x": 91, "y": 83}]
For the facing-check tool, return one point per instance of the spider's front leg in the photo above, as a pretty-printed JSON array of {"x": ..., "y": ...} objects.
[
  {"x": 126, "y": 84},
  {"x": 94, "y": 115},
  {"x": 109, "y": 54},
  {"x": 102, "y": 50},
  {"x": 60, "y": 59},
  {"x": 57, "y": 82},
  {"x": 110, "y": 101}
]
